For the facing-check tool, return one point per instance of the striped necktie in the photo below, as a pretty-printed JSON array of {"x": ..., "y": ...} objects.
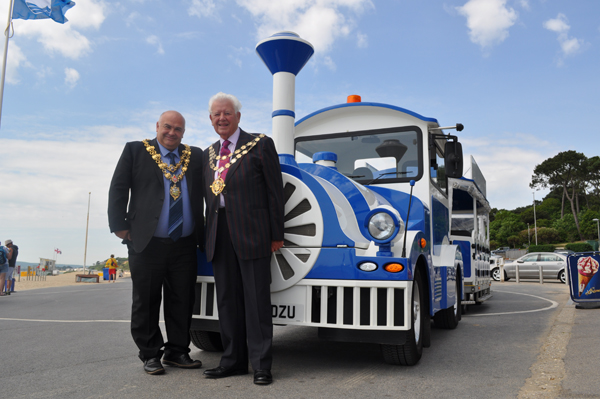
[
  {"x": 222, "y": 162},
  {"x": 175, "y": 209}
]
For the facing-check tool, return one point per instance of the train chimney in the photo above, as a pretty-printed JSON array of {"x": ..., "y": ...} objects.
[{"x": 285, "y": 54}]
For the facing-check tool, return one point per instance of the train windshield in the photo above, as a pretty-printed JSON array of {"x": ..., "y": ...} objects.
[{"x": 370, "y": 157}]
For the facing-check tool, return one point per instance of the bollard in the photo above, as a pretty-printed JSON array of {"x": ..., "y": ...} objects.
[
  {"x": 541, "y": 274},
  {"x": 517, "y": 272}
]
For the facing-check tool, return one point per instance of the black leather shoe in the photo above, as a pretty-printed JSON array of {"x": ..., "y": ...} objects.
[
  {"x": 263, "y": 377},
  {"x": 153, "y": 366},
  {"x": 183, "y": 361},
  {"x": 222, "y": 372}
]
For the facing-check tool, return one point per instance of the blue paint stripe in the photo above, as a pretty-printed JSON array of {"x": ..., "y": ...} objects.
[
  {"x": 404, "y": 110},
  {"x": 284, "y": 112}
]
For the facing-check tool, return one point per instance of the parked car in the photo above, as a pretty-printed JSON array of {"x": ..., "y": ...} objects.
[
  {"x": 565, "y": 252},
  {"x": 495, "y": 263},
  {"x": 500, "y": 251},
  {"x": 554, "y": 266}
]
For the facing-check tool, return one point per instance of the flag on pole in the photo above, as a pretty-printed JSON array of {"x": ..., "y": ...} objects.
[
  {"x": 58, "y": 251},
  {"x": 42, "y": 9}
]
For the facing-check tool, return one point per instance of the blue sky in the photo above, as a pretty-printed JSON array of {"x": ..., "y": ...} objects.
[{"x": 522, "y": 76}]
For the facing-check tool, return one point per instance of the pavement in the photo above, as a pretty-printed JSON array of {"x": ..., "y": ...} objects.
[{"x": 528, "y": 341}]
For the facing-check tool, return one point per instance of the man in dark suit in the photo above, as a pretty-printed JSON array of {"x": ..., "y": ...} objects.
[
  {"x": 155, "y": 206},
  {"x": 244, "y": 225}
]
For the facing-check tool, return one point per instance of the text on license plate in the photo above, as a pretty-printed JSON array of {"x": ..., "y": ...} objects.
[{"x": 288, "y": 312}]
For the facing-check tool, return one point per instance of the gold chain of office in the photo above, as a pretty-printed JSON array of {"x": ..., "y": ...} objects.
[
  {"x": 218, "y": 185},
  {"x": 169, "y": 170}
]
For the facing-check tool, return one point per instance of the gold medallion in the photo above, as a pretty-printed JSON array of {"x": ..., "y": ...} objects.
[
  {"x": 175, "y": 192},
  {"x": 217, "y": 186}
]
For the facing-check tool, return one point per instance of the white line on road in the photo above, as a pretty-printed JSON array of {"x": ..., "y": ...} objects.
[
  {"x": 70, "y": 321},
  {"x": 552, "y": 306}
]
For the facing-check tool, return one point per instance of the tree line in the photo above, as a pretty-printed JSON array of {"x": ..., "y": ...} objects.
[{"x": 565, "y": 215}]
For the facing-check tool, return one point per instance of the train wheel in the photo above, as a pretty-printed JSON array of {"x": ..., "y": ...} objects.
[{"x": 410, "y": 353}]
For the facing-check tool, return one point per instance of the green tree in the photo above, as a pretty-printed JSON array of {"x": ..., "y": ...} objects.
[
  {"x": 566, "y": 170},
  {"x": 505, "y": 224}
]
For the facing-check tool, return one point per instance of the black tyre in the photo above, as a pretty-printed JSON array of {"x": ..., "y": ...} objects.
[
  {"x": 410, "y": 353},
  {"x": 562, "y": 277},
  {"x": 496, "y": 274},
  {"x": 448, "y": 318},
  {"x": 209, "y": 341}
]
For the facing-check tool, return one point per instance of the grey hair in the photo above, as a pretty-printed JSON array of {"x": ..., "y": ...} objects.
[{"x": 237, "y": 105}]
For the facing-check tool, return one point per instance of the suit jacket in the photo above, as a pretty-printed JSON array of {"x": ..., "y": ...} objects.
[
  {"x": 253, "y": 196},
  {"x": 138, "y": 182}
]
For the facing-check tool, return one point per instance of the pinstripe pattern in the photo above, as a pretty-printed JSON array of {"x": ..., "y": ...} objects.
[{"x": 253, "y": 200}]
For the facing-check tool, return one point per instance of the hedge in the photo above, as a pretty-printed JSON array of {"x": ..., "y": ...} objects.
[
  {"x": 579, "y": 247},
  {"x": 541, "y": 248}
]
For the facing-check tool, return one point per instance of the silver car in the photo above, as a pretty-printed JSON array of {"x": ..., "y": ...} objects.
[{"x": 553, "y": 266}]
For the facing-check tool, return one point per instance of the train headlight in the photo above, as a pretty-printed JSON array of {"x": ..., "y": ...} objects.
[{"x": 383, "y": 224}]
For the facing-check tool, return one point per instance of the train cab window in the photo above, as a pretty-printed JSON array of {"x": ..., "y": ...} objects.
[{"x": 370, "y": 157}]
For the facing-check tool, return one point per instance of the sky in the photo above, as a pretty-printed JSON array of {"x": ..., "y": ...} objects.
[{"x": 522, "y": 76}]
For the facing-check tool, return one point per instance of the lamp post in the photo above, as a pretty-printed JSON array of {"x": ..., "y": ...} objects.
[
  {"x": 534, "y": 219},
  {"x": 598, "y": 223},
  {"x": 86, "y": 231}
]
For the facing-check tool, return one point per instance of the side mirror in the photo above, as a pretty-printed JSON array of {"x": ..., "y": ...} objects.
[{"x": 453, "y": 158}]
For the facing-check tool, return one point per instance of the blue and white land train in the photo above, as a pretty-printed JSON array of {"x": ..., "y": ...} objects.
[{"x": 383, "y": 233}]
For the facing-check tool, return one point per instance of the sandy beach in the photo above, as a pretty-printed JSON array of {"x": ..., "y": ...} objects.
[{"x": 60, "y": 280}]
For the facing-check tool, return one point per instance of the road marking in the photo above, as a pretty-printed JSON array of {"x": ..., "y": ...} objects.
[
  {"x": 553, "y": 304},
  {"x": 70, "y": 321}
]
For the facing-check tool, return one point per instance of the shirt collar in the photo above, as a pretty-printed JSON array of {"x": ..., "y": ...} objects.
[
  {"x": 233, "y": 139},
  {"x": 164, "y": 151}
]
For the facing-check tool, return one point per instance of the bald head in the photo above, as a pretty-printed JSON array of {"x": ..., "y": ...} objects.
[{"x": 169, "y": 129}]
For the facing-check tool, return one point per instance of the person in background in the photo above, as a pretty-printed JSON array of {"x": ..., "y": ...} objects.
[
  {"x": 4, "y": 253},
  {"x": 112, "y": 265},
  {"x": 12, "y": 261}
]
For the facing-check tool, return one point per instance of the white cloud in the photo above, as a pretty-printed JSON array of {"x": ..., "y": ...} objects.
[
  {"x": 321, "y": 22},
  {"x": 525, "y": 4},
  {"x": 64, "y": 39},
  {"x": 560, "y": 25},
  {"x": 202, "y": 8},
  {"x": 507, "y": 164},
  {"x": 71, "y": 77},
  {"x": 488, "y": 21},
  {"x": 87, "y": 14},
  {"x": 155, "y": 41},
  {"x": 362, "y": 40},
  {"x": 14, "y": 60}
]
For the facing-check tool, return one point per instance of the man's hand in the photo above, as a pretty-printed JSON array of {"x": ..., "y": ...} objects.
[
  {"x": 275, "y": 245},
  {"x": 123, "y": 235}
]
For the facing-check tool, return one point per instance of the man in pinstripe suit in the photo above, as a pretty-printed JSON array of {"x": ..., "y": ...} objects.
[{"x": 244, "y": 225}]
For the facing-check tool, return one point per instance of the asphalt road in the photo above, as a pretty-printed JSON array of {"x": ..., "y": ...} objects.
[{"x": 527, "y": 341}]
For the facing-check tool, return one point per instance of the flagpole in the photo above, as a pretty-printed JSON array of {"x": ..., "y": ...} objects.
[
  {"x": 86, "y": 231},
  {"x": 7, "y": 34}
]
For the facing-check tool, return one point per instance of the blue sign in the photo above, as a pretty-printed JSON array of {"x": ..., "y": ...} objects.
[{"x": 584, "y": 277}]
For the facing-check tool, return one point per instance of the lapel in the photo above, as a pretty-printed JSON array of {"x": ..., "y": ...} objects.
[
  {"x": 245, "y": 138},
  {"x": 157, "y": 172},
  {"x": 188, "y": 173}
]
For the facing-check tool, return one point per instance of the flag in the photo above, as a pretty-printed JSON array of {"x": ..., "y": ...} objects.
[
  {"x": 58, "y": 251},
  {"x": 42, "y": 9}
]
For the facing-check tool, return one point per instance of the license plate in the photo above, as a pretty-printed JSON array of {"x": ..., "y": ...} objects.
[{"x": 287, "y": 313}]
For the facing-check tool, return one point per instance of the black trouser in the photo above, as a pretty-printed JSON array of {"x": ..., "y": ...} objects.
[
  {"x": 244, "y": 303},
  {"x": 169, "y": 267}
]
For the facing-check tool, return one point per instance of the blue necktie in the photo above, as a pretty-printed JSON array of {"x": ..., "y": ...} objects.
[{"x": 175, "y": 208}]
